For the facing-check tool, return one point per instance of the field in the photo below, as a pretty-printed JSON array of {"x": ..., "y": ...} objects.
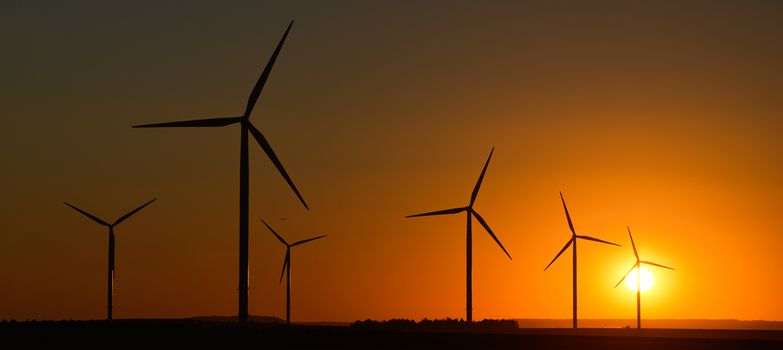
[{"x": 196, "y": 333}]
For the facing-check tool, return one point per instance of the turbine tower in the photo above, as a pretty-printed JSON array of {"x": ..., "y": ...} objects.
[
  {"x": 245, "y": 127},
  {"x": 110, "y": 280},
  {"x": 470, "y": 213},
  {"x": 287, "y": 268},
  {"x": 573, "y": 239},
  {"x": 636, "y": 266}
]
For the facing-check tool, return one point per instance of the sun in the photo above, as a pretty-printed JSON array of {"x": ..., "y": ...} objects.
[{"x": 646, "y": 282}]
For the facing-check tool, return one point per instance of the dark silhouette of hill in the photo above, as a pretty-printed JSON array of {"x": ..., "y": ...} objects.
[
  {"x": 448, "y": 324},
  {"x": 654, "y": 323},
  {"x": 186, "y": 333},
  {"x": 256, "y": 319}
]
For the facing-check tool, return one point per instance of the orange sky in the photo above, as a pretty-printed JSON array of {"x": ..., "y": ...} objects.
[{"x": 662, "y": 117}]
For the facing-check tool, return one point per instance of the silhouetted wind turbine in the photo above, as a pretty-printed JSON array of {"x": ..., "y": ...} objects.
[
  {"x": 110, "y": 282},
  {"x": 573, "y": 239},
  {"x": 287, "y": 268},
  {"x": 246, "y": 126},
  {"x": 469, "y": 251},
  {"x": 637, "y": 266}
]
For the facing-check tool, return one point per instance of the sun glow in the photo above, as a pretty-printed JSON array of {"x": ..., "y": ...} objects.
[{"x": 646, "y": 281}]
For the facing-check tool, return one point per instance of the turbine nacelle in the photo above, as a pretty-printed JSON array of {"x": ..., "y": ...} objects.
[
  {"x": 244, "y": 119},
  {"x": 287, "y": 266},
  {"x": 116, "y": 222},
  {"x": 574, "y": 236},
  {"x": 469, "y": 209},
  {"x": 244, "y": 172},
  {"x": 111, "y": 270},
  {"x": 638, "y": 265},
  {"x": 638, "y": 262},
  {"x": 471, "y": 213},
  {"x": 287, "y": 260},
  {"x": 571, "y": 241}
]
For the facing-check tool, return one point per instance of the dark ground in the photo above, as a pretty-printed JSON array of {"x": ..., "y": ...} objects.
[{"x": 203, "y": 334}]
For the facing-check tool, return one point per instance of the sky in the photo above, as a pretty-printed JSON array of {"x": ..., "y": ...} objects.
[{"x": 661, "y": 116}]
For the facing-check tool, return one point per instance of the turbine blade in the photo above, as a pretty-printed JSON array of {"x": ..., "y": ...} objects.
[
  {"x": 94, "y": 218},
  {"x": 121, "y": 219},
  {"x": 251, "y": 101},
  {"x": 271, "y": 154},
  {"x": 626, "y": 275},
  {"x": 561, "y": 252},
  {"x": 211, "y": 122},
  {"x": 480, "y": 179},
  {"x": 632, "y": 243},
  {"x": 654, "y": 264},
  {"x": 597, "y": 240},
  {"x": 489, "y": 230},
  {"x": 307, "y": 240},
  {"x": 439, "y": 212},
  {"x": 285, "y": 262},
  {"x": 275, "y": 233},
  {"x": 568, "y": 216}
]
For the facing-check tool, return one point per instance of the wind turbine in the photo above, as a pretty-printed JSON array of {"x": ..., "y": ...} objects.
[
  {"x": 110, "y": 286},
  {"x": 637, "y": 266},
  {"x": 246, "y": 126},
  {"x": 469, "y": 251},
  {"x": 573, "y": 239},
  {"x": 287, "y": 268}
]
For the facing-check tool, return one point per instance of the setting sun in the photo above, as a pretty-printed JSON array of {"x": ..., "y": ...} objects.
[{"x": 646, "y": 282}]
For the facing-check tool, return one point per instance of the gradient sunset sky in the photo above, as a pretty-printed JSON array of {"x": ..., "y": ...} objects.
[{"x": 664, "y": 116}]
